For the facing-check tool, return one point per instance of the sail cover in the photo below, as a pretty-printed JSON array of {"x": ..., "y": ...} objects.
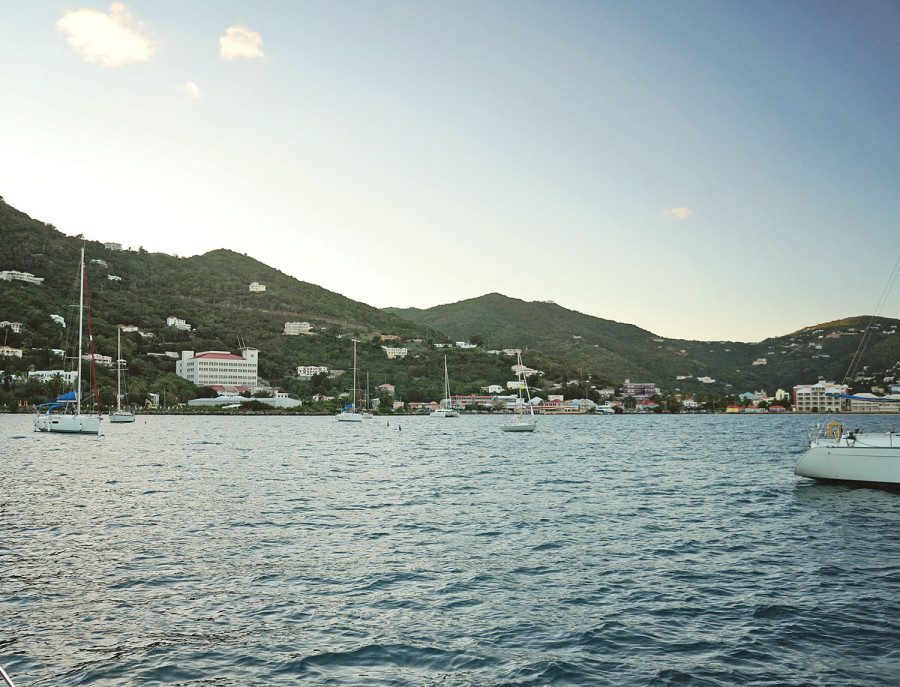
[{"x": 67, "y": 398}]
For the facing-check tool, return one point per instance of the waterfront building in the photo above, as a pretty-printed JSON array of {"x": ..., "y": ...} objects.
[
  {"x": 821, "y": 397},
  {"x": 639, "y": 391},
  {"x": 212, "y": 368}
]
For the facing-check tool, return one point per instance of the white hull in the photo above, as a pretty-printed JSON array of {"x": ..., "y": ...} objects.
[
  {"x": 349, "y": 417},
  {"x": 67, "y": 424},
  {"x": 444, "y": 412},
  {"x": 864, "y": 458},
  {"x": 121, "y": 416},
  {"x": 519, "y": 427}
]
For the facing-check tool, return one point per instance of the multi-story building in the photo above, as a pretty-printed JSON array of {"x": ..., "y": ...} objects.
[
  {"x": 68, "y": 376},
  {"x": 639, "y": 391},
  {"x": 821, "y": 397},
  {"x": 112, "y": 246},
  {"x": 10, "y": 352},
  {"x": 16, "y": 327},
  {"x": 394, "y": 352},
  {"x": 9, "y": 275},
  {"x": 884, "y": 404},
  {"x": 98, "y": 359},
  {"x": 307, "y": 371},
  {"x": 212, "y": 368},
  {"x": 178, "y": 323},
  {"x": 297, "y": 328}
]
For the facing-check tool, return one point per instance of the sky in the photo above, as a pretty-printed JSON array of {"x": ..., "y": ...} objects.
[{"x": 709, "y": 170}]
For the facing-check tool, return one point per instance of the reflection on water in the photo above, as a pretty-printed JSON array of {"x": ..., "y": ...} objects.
[{"x": 598, "y": 550}]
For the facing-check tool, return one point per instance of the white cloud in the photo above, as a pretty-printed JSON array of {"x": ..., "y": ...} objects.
[
  {"x": 191, "y": 89},
  {"x": 677, "y": 213},
  {"x": 111, "y": 39},
  {"x": 239, "y": 41}
]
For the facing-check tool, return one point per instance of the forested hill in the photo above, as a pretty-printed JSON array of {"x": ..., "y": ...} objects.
[{"x": 626, "y": 351}]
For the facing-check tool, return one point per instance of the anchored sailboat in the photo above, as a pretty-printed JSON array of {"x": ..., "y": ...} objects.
[
  {"x": 60, "y": 416},
  {"x": 350, "y": 412},
  {"x": 120, "y": 414},
  {"x": 521, "y": 422},
  {"x": 445, "y": 410}
]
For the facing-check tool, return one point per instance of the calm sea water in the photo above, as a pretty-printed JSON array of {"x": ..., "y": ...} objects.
[{"x": 661, "y": 550}]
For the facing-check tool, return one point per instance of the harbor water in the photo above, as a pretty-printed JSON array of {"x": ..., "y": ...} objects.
[{"x": 607, "y": 550}]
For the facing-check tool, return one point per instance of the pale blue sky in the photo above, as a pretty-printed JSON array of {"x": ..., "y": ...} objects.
[{"x": 705, "y": 170}]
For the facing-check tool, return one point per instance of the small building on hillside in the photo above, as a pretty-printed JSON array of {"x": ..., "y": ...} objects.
[{"x": 256, "y": 287}]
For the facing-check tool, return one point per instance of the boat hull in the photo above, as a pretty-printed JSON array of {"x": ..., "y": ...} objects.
[
  {"x": 349, "y": 417},
  {"x": 869, "y": 459},
  {"x": 519, "y": 427},
  {"x": 121, "y": 417},
  {"x": 67, "y": 424},
  {"x": 443, "y": 412}
]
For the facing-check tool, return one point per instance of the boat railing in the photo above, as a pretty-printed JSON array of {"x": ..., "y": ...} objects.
[{"x": 6, "y": 678}]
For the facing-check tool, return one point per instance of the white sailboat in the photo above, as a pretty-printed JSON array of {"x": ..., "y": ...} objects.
[
  {"x": 120, "y": 414},
  {"x": 350, "y": 412},
  {"x": 366, "y": 413},
  {"x": 836, "y": 453},
  {"x": 60, "y": 416},
  {"x": 521, "y": 422},
  {"x": 445, "y": 410}
]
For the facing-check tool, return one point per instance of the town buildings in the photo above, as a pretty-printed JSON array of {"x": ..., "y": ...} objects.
[{"x": 639, "y": 391}]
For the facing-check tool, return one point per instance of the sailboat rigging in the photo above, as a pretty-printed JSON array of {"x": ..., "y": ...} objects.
[
  {"x": 120, "y": 414},
  {"x": 350, "y": 412},
  {"x": 445, "y": 410},
  {"x": 59, "y": 416},
  {"x": 520, "y": 423}
]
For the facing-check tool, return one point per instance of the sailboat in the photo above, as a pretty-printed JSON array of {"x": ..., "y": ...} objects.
[
  {"x": 350, "y": 412},
  {"x": 60, "y": 416},
  {"x": 366, "y": 413},
  {"x": 445, "y": 410},
  {"x": 120, "y": 414},
  {"x": 835, "y": 452},
  {"x": 520, "y": 422}
]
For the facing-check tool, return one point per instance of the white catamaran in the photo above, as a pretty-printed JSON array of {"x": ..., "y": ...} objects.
[
  {"x": 60, "y": 416},
  {"x": 445, "y": 410}
]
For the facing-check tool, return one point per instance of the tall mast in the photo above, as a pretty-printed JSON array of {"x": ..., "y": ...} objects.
[
  {"x": 119, "y": 369},
  {"x": 80, "y": 321}
]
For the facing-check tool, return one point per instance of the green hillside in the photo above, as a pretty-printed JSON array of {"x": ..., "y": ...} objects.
[
  {"x": 211, "y": 292},
  {"x": 621, "y": 351}
]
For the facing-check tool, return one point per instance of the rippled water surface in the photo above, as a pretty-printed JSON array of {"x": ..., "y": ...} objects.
[{"x": 621, "y": 550}]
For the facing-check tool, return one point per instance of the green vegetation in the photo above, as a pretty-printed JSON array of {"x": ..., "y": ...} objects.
[{"x": 211, "y": 293}]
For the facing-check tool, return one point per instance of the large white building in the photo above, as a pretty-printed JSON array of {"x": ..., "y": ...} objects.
[
  {"x": 307, "y": 371},
  {"x": 178, "y": 323},
  {"x": 9, "y": 275},
  {"x": 819, "y": 396},
  {"x": 393, "y": 352},
  {"x": 211, "y": 368},
  {"x": 297, "y": 328},
  {"x": 68, "y": 376}
]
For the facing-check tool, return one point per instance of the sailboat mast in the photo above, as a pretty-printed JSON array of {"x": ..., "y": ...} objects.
[
  {"x": 80, "y": 323},
  {"x": 119, "y": 369}
]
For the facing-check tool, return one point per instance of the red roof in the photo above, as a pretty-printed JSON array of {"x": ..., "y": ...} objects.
[{"x": 214, "y": 355}]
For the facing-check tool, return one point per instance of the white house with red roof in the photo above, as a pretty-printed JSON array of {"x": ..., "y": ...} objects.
[{"x": 214, "y": 368}]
